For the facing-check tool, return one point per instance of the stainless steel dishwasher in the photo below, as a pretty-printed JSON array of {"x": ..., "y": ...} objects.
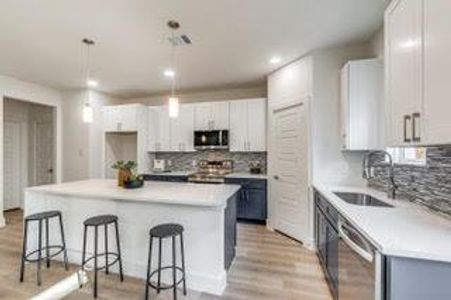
[{"x": 358, "y": 264}]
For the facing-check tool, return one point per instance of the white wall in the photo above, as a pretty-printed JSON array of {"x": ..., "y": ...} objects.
[
  {"x": 82, "y": 141},
  {"x": 13, "y": 88},
  {"x": 213, "y": 94},
  {"x": 331, "y": 165}
]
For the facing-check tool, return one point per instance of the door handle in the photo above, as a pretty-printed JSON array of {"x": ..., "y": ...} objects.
[
  {"x": 50, "y": 170},
  {"x": 407, "y": 118},
  {"x": 276, "y": 177},
  {"x": 415, "y": 117}
]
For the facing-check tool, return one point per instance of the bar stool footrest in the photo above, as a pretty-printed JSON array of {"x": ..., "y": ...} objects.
[
  {"x": 166, "y": 287},
  {"x": 43, "y": 253},
  {"x": 115, "y": 255}
]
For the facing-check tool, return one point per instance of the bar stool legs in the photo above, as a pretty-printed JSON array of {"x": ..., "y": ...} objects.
[
  {"x": 96, "y": 222},
  {"x": 43, "y": 221},
  {"x": 160, "y": 232}
]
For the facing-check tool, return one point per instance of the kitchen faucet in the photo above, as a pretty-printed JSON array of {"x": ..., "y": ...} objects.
[{"x": 368, "y": 165}]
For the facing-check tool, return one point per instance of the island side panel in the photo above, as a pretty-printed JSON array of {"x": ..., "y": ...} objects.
[
  {"x": 203, "y": 236},
  {"x": 230, "y": 231}
]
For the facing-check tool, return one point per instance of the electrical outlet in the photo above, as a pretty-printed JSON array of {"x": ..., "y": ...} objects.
[
  {"x": 194, "y": 163},
  {"x": 372, "y": 172}
]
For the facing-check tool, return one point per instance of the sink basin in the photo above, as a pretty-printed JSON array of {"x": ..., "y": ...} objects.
[{"x": 361, "y": 199}]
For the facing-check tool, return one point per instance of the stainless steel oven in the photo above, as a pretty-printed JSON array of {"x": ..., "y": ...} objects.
[
  {"x": 211, "y": 139},
  {"x": 358, "y": 265}
]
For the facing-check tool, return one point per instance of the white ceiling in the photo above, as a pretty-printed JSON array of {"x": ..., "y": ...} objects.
[{"x": 40, "y": 40}]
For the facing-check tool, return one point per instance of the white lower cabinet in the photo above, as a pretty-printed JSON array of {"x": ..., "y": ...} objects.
[{"x": 248, "y": 125}]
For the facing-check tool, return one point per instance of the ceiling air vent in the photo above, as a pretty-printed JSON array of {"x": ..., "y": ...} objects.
[{"x": 180, "y": 40}]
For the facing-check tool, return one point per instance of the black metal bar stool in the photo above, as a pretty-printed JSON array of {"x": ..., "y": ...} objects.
[
  {"x": 160, "y": 232},
  {"x": 102, "y": 220},
  {"x": 42, "y": 217}
]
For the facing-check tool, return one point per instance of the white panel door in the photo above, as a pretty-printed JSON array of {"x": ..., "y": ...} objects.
[
  {"x": 289, "y": 181},
  {"x": 238, "y": 126},
  {"x": 437, "y": 67},
  {"x": 202, "y": 116},
  {"x": 220, "y": 115},
  {"x": 403, "y": 23},
  {"x": 44, "y": 173},
  {"x": 182, "y": 138},
  {"x": 256, "y": 125},
  {"x": 12, "y": 174}
]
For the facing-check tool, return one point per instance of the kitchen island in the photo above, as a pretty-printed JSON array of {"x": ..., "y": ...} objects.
[{"x": 206, "y": 211}]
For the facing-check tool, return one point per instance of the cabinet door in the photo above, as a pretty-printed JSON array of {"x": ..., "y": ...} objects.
[
  {"x": 202, "y": 116},
  {"x": 256, "y": 125},
  {"x": 152, "y": 128},
  {"x": 110, "y": 118},
  {"x": 238, "y": 126},
  {"x": 321, "y": 234},
  {"x": 127, "y": 119},
  {"x": 252, "y": 205},
  {"x": 220, "y": 115},
  {"x": 437, "y": 65},
  {"x": 163, "y": 140},
  {"x": 182, "y": 129},
  {"x": 403, "y": 23}
]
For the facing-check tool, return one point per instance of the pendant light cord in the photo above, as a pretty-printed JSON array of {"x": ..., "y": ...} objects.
[{"x": 173, "y": 64}]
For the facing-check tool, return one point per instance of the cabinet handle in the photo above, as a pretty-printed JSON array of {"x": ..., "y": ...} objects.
[
  {"x": 407, "y": 118},
  {"x": 415, "y": 117}
]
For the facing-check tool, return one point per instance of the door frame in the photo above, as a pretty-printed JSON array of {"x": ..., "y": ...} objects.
[
  {"x": 307, "y": 241},
  {"x": 29, "y": 92}
]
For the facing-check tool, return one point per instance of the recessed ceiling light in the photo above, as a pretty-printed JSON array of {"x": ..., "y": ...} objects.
[
  {"x": 92, "y": 83},
  {"x": 169, "y": 73},
  {"x": 275, "y": 60}
]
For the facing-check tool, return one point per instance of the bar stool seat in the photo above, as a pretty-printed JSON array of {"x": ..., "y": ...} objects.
[
  {"x": 160, "y": 232},
  {"x": 96, "y": 222},
  {"x": 166, "y": 230},
  {"x": 27, "y": 256},
  {"x": 100, "y": 220},
  {"x": 43, "y": 215}
]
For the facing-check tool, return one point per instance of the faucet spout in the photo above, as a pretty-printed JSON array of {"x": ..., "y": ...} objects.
[{"x": 368, "y": 164}]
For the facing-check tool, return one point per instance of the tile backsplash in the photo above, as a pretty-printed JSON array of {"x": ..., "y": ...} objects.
[
  {"x": 428, "y": 185},
  {"x": 183, "y": 161}
]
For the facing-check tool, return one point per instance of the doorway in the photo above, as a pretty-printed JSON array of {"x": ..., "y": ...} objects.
[{"x": 29, "y": 143}]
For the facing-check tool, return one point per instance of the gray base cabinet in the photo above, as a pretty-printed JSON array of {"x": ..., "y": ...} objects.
[
  {"x": 162, "y": 177},
  {"x": 252, "y": 203},
  {"x": 327, "y": 239}
]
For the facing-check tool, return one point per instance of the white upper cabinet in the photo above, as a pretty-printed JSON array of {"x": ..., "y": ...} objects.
[
  {"x": 159, "y": 129},
  {"x": 418, "y": 47},
  {"x": 248, "y": 125},
  {"x": 211, "y": 115},
  {"x": 362, "y": 105},
  {"x": 437, "y": 66},
  {"x": 182, "y": 129},
  {"x": 403, "y": 23},
  {"x": 122, "y": 118}
]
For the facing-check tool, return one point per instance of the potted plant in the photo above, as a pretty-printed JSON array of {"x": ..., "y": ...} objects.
[{"x": 125, "y": 170}]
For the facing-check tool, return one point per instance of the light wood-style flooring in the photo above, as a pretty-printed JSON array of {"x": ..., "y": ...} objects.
[{"x": 268, "y": 265}]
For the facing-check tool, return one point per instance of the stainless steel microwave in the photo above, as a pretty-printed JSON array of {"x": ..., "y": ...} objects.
[{"x": 211, "y": 139}]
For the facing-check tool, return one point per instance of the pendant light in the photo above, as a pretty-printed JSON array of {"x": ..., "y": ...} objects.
[
  {"x": 173, "y": 100},
  {"x": 88, "y": 112}
]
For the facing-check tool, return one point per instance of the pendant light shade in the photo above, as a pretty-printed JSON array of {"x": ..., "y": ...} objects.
[{"x": 174, "y": 107}]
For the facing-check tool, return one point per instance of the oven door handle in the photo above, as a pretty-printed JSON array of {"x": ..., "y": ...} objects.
[{"x": 356, "y": 248}]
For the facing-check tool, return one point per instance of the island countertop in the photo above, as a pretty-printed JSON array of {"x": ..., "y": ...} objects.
[{"x": 175, "y": 193}]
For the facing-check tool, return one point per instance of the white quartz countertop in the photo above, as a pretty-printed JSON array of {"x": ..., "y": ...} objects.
[
  {"x": 173, "y": 193},
  {"x": 405, "y": 230}
]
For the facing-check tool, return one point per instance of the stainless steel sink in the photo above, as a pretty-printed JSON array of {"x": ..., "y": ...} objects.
[{"x": 361, "y": 199}]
